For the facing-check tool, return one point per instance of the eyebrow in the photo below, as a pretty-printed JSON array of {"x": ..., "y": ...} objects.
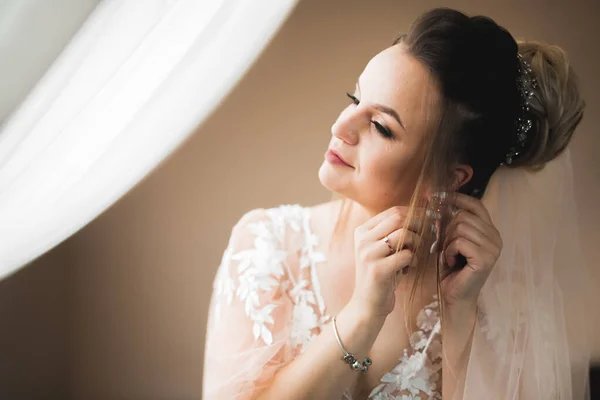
[{"x": 387, "y": 110}]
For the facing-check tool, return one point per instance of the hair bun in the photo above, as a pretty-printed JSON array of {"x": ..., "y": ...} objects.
[{"x": 557, "y": 105}]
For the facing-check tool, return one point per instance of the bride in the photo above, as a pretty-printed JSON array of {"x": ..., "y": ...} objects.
[{"x": 444, "y": 269}]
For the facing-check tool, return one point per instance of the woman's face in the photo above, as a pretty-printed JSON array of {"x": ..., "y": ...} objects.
[{"x": 379, "y": 135}]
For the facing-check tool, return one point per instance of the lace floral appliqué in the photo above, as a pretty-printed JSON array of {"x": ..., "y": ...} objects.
[
  {"x": 265, "y": 268},
  {"x": 418, "y": 374}
]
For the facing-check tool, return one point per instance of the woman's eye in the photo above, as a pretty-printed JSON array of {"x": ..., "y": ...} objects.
[
  {"x": 385, "y": 132},
  {"x": 353, "y": 98}
]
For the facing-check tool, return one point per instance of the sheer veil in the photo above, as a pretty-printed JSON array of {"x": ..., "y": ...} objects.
[{"x": 532, "y": 337}]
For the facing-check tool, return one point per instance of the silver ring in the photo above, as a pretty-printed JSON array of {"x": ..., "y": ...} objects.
[{"x": 386, "y": 239}]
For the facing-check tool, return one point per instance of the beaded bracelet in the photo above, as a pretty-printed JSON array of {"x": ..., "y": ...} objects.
[{"x": 349, "y": 358}]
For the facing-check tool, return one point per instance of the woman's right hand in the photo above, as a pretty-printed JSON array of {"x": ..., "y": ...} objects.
[{"x": 378, "y": 268}]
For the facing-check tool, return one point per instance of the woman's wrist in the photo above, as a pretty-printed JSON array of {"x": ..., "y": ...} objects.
[
  {"x": 357, "y": 330},
  {"x": 362, "y": 316},
  {"x": 461, "y": 313},
  {"x": 458, "y": 327},
  {"x": 459, "y": 322}
]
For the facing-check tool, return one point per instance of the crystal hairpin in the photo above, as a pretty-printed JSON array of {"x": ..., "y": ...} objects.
[{"x": 526, "y": 83}]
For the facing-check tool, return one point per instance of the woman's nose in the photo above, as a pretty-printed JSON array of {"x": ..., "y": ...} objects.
[{"x": 348, "y": 126}]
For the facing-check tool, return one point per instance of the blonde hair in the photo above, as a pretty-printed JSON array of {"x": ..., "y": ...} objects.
[{"x": 557, "y": 103}]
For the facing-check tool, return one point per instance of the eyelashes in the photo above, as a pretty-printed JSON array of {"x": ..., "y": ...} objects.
[
  {"x": 383, "y": 131},
  {"x": 353, "y": 98}
]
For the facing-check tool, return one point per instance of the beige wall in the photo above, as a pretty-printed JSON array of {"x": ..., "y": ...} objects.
[
  {"x": 139, "y": 276},
  {"x": 35, "y": 329}
]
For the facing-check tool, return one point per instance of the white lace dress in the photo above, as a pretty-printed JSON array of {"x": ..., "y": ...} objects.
[{"x": 267, "y": 308}]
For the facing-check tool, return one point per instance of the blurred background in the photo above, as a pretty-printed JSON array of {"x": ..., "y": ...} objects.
[{"x": 118, "y": 311}]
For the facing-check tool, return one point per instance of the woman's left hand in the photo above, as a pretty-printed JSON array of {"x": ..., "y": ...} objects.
[{"x": 470, "y": 233}]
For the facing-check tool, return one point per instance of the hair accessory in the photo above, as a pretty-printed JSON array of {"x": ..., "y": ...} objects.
[
  {"x": 526, "y": 83},
  {"x": 349, "y": 358}
]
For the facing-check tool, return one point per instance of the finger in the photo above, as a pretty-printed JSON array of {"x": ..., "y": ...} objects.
[
  {"x": 395, "y": 222},
  {"x": 386, "y": 268},
  {"x": 399, "y": 240},
  {"x": 471, "y": 204},
  {"x": 464, "y": 221},
  {"x": 467, "y": 231},
  {"x": 398, "y": 262},
  {"x": 404, "y": 239},
  {"x": 463, "y": 217},
  {"x": 460, "y": 246},
  {"x": 384, "y": 215}
]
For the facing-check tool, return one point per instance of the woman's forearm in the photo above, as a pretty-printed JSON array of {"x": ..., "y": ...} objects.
[
  {"x": 321, "y": 373},
  {"x": 457, "y": 335}
]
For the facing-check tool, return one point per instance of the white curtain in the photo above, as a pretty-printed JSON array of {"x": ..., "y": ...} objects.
[{"x": 132, "y": 84}]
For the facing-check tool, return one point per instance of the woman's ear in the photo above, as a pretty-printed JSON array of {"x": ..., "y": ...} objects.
[{"x": 462, "y": 175}]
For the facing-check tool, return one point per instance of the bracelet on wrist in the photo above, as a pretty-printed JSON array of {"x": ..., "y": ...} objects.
[{"x": 349, "y": 358}]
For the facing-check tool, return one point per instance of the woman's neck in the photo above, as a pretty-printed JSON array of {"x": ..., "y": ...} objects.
[
  {"x": 357, "y": 214},
  {"x": 347, "y": 216}
]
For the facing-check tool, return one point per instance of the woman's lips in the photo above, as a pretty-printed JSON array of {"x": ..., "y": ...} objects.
[{"x": 334, "y": 158}]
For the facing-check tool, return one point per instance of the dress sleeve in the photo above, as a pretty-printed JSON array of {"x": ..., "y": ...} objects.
[{"x": 247, "y": 339}]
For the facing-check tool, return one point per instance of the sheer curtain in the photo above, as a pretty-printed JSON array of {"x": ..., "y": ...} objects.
[{"x": 132, "y": 84}]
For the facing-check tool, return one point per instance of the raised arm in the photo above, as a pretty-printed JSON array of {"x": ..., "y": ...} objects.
[{"x": 249, "y": 353}]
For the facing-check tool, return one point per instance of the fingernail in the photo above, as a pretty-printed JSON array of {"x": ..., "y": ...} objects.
[{"x": 433, "y": 248}]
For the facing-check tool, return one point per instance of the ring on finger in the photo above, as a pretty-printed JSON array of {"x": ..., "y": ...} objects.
[{"x": 386, "y": 239}]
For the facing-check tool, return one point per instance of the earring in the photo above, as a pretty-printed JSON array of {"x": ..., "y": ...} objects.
[{"x": 435, "y": 211}]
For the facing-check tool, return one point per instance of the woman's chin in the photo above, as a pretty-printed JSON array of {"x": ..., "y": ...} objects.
[{"x": 331, "y": 179}]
